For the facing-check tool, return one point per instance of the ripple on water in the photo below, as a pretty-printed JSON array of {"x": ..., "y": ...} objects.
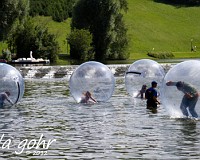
[{"x": 121, "y": 128}]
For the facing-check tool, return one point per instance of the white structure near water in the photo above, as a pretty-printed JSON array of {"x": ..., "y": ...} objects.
[{"x": 31, "y": 60}]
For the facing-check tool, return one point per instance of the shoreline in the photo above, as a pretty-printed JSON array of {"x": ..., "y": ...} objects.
[{"x": 65, "y": 71}]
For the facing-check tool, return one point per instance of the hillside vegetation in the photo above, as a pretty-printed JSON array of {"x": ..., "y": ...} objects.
[
  {"x": 162, "y": 27},
  {"x": 151, "y": 25}
]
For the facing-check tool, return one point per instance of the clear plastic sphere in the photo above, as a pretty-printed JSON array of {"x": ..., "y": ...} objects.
[
  {"x": 11, "y": 85},
  {"x": 188, "y": 75},
  {"x": 93, "y": 77},
  {"x": 143, "y": 72}
]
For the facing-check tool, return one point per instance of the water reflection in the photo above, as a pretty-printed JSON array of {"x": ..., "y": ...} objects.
[
  {"x": 121, "y": 128},
  {"x": 190, "y": 135}
]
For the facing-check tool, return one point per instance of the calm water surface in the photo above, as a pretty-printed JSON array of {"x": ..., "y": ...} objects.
[{"x": 122, "y": 128}]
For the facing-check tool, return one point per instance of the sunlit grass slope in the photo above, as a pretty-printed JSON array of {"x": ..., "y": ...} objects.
[{"x": 162, "y": 27}]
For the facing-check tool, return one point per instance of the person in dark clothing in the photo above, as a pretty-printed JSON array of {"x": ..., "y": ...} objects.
[
  {"x": 151, "y": 96},
  {"x": 189, "y": 99},
  {"x": 142, "y": 91}
]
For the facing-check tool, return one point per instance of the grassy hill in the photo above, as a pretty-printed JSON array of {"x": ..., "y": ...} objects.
[
  {"x": 60, "y": 29},
  {"x": 150, "y": 25},
  {"x": 162, "y": 27}
]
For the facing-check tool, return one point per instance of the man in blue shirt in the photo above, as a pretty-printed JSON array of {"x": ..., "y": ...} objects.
[{"x": 151, "y": 96}]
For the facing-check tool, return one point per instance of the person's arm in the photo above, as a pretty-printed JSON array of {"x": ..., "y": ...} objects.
[
  {"x": 188, "y": 95},
  {"x": 170, "y": 83},
  {"x": 138, "y": 94},
  {"x": 155, "y": 97},
  {"x": 8, "y": 99},
  {"x": 191, "y": 94},
  {"x": 156, "y": 100},
  {"x": 190, "y": 91},
  {"x": 93, "y": 99}
]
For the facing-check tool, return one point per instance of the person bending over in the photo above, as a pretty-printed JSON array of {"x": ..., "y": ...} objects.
[{"x": 189, "y": 99}]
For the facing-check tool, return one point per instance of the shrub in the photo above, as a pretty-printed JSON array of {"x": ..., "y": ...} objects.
[
  {"x": 160, "y": 55},
  {"x": 31, "y": 37},
  {"x": 80, "y": 44}
]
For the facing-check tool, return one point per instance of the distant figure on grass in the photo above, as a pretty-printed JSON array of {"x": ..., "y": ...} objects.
[
  {"x": 88, "y": 98},
  {"x": 189, "y": 99},
  {"x": 151, "y": 96},
  {"x": 142, "y": 91},
  {"x": 5, "y": 96}
]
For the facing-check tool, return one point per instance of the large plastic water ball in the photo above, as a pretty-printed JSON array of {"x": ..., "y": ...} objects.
[
  {"x": 143, "y": 72},
  {"x": 11, "y": 85},
  {"x": 93, "y": 77},
  {"x": 180, "y": 89}
]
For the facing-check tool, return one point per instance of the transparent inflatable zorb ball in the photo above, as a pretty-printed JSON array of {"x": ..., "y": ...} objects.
[
  {"x": 11, "y": 85},
  {"x": 93, "y": 77},
  {"x": 180, "y": 89},
  {"x": 143, "y": 72}
]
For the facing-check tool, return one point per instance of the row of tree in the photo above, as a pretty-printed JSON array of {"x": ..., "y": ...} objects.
[
  {"x": 22, "y": 35},
  {"x": 60, "y": 10},
  {"x": 33, "y": 37},
  {"x": 98, "y": 29},
  {"x": 12, "y": 13},
  {"x": 181, "y": 2},
  {"x": 100, "y": 23}
]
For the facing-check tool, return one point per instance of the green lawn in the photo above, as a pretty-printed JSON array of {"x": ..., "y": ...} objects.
[
  {"x": 163, "y": 27},
  {"x": 61, "y": 30}
]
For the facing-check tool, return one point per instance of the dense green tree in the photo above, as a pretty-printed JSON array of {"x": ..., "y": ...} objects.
[
  {"x": 59, "y": 9},
  {"x": 102, "y": 19},
  {"x": 6, "y": 54},
  {"x": 11, "y": 12},
  {"x": 58, "y": 14},
  {"x": 35, "y": 38},
  {"x": 181, "y": 2},
  {"x": 119, "y": 47},
  {"x": 80, "y": 44}
]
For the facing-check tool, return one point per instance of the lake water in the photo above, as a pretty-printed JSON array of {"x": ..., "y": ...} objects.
[{"x": 121, "y": 128}]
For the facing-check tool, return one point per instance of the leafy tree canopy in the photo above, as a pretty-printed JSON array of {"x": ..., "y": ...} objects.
[
  {"x": 33, "y": 38},
  {"x": 60, "y": 10},
  {"x": 11, "y": 11},
  {"x": 102, "y": 19},
  {"x": 80, "y": 44}
]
